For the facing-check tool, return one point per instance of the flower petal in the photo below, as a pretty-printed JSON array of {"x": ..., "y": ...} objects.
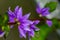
[
  {"x": 2, "y": 34},
  {"x": 26, "y": 16},
  {"x": 45, "y": 11},
  {"x": 11, "y": 19},
  {"x": 38, "y": 10},
  {"x": 19, "y": 13},
  {"x": 16, "y": 10},
  {"x": 26, "y": 28},
  {"x": 45, "y": 14},
  {"x": 35, "y": 28},
  {"x": 36, "y": 22},
  {"x": 26, "y": 22},
  {"x": 21, "y": 31},
  {"x": 49, "y": 23},
  {"x": 10, "y": 13},
  {"x": 31, "y": 33}
]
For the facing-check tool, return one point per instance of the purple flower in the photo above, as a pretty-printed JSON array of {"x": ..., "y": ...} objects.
[
  {"x": 49, "y": 23},
  {"x": 33, "y": 28},
  {"x": 42, "y": 11},
  {"x": 22, "y": 21},
  {"x": 1, "y": 33}
]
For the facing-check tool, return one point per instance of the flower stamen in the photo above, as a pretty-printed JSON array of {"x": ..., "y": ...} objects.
[
  {"x": 18, "y": 23},
  {"x": 15, "y": 20},
  {"x": 40, "y": 15}
]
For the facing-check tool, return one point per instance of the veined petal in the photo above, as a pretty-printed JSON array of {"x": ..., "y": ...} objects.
[
  {"x": 19, "y": 13},
  {"x": 31, "y": 33},
  {"x": 27, "y": 22},
  {"x": 21, "y": 31},
  {"x": 38, "y": 10},
  {"x": 45, "y": 11},
  {"x": 16, "y": 10},
  {"x": 36, "y": 22},
  {"x": 35, "y": 28},
  {"x": 21, "y": 36},
  {"x": 11, "y": 19},
  {"x": 26, "y": 28},
  {"x": 10, "y": 13},
  {"x": 49, "y": 23},
  {"x": 26, "y": 16},
  {"x": 45, "y": 14}
]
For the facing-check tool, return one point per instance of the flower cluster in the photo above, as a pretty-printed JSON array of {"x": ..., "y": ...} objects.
[
  {"x": 24, "y": 24},
  {"x": 44, "y": 12}
]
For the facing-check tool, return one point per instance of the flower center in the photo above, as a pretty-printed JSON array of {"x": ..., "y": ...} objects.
[
  {"x": 40, "y": 15},
  {"x": 18, "y": 23},
  {"x": 16, "y": 20}
]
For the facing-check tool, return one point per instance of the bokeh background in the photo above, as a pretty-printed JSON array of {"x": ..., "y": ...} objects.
[{"x": 28, "y": 6}]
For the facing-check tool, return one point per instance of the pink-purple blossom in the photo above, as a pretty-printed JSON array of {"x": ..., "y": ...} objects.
[
  {"x": 33, "y": 28},
  {"x": 44, "y": 12},
  {"x": 22, "y": 21},
  {"x": 49, "y": 22}
]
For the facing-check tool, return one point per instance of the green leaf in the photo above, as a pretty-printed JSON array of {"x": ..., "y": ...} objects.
[
  {"x": 42, "y": 34},
  {"x": 51, "y": 5},
  {"x": 1, "y": 20},
  {"x": 6, "y": 28},
  {"x": 5, "y": 18},
  {"x": 55, "y": 22},
  {"x": 3, "y": 23}
]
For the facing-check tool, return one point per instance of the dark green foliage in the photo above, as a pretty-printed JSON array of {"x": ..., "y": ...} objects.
[
  {"x": 56, "y": 23},
  {"x": 51, "y": 5},
  {"x": 4, "y": 23},
  {"x": 1, "y": 20},
  {"x": 5, "y": 18},
  {"x": 42, "y": 33}
]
